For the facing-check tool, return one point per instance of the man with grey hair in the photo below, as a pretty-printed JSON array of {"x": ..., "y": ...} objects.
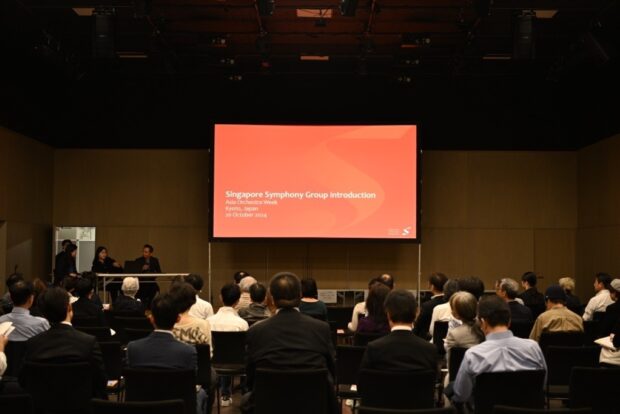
[
  {"x": 508, "y": 290},
  {"x": 126, "y": 302},
  {"x": 244, "y": 286}
]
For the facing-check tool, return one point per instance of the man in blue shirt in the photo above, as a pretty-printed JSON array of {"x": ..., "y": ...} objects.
[
  {"x": 26, "y": 326},
  {"x": 500, "y": 352}
]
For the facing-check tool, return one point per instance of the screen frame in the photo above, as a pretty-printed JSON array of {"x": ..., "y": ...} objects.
[{"x": 211, "y": 185}]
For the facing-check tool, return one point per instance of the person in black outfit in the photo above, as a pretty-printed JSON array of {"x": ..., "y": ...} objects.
[
  {"x": 508, "y": 290},
  {"x": 65, "y": 266},
  {"x": 59, "y": 259},
  {"x": 148, "y": 264},
  {"x": 532, "y": 298},
  {"x": 572, "y": 302},
  {"x": 63, "y": 344},
  {"x": 289, "y": 340},
  {"x": 436, "y": 281},
  {"x": 84, "y": 307},
  {"x": 126, "y": 302},
  {"x": 310, "y": 303},
  {"x": 102, "y": 263}
]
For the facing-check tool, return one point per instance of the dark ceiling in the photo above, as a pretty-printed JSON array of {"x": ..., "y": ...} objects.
[{"x": 166, "y": 69}]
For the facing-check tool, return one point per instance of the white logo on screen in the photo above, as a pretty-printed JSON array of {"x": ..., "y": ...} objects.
[{"x": 406, "y": 231}]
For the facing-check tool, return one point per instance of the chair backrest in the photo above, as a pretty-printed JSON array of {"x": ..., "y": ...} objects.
[
  {"x": 591, "y": 330},
  {"x": 386, "y": 389},
  {"x": 112, "y": 359},
  {"x": 341, "y": 315},
  {"x": 203, "y": 376},
  {"x": 456, "y": 357},
  {"x": 598, "y": 316},
  {"x": 521, "y": 329},
  {"x": 548, "y": 339},
  {"x": 596, "y": 388},
  {"x": 102, "y": 333},
  {"x": 440, "y": 331},
  {"x": 228, "y": 347},
  {"x": 135, "y": 407},
  {"x": 562, "y": 359},
  {"x": 514, "y": 388},
  {"x": 288, "y": 391},
  {"x": 133, "y": 322},
  {"x": 148, "y": 384},
  {"x": 80, "y": 322},
  {"x": 54, "y": 387},
  {"x": 14, "y": 352},
  {"x": 371, "y": 410},
  {"x": 502, "y": 409},
  {"x": 364, "y": 338},
  {"x": 135, "y": 334},
  {"x": 348, "y": 361},
  {"x": 16, "y": 403}
]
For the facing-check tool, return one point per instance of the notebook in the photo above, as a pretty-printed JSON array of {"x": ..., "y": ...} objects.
[{"x": 6, "y": 328}]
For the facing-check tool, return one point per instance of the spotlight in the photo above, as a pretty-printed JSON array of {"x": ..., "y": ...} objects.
[{"x": 348, "y": 7}]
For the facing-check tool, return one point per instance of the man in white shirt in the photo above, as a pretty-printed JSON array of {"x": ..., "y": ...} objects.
[
  {"x": 227, "y": 320},
  {"x": 602, "y": 299},
  {"x": 201, "y": 309}
]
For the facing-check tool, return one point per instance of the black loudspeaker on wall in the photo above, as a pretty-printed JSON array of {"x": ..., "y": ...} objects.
[
  {"x": 103, "y": 34},
  {"x": 524, "y": 40}
]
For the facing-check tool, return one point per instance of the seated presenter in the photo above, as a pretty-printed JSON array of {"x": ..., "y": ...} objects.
[{"x": 148, "y": 264}]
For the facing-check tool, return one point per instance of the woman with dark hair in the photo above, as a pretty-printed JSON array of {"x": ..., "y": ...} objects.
[
  {"x": 188, "y": 329},
  {"x": 102, "y": 263},
  {"x": 376, "y": 321},
  {"x": 39, "y": 287},
  {"x": 310, "y": 303},
  {"x": 66, "y": 264}
]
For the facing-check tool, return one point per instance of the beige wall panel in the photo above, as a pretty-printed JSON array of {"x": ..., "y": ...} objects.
[
  {"x": 25, "y": 247},
  {"x": 124, "y": 243},
  {"x": 597, "y": 252},
  {"x": 329, "y": 265},
  {"x": 443, "y": 250},
  {"x": 368, "y": 260},
  {"x": 554, "y": 255},
  {"x": 4, "y": 173}
]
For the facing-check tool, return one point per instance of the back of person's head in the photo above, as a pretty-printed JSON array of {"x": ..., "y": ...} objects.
[
  {"x": 83, "y": 288},
  {"x": 54, "y": 303},
  {"x": 387, "y": 280},
  {"x": 438, "y": 280},
  {"x": 568, "y": 284},
  {"x": 65, "y": 243},
  {"x": 184, "y": 295},
  {"x": 285, "y": 289},
  {"x": 13, "y": 278},
  {"x": 21, "y": 292},
  {"x": 195, "y": 280},
  {"x": 530, "y": 278},
  {"x": 401, "y": 306},
  {"x": 70, "y": 248},
  {"x": 605, "y": 279},
  {"x": 473, "y": 285},
  {"x": 375, "y": 303},
  {"x": 240, "y": 275},
  {"x": 149, "y": 248},
  {"x": 258, "y": 292},
  {"x": 450, "y": 288},
  {"x": 464, "y": 306},
  {"x": 494, "y": 311},
  {"x": 164, "y": 311},
  {"x": 555, "y": 294},
  {"x": 309, "y": 288},
  {"x": 69, "y": 283},
  {"x": 39, "y": 286},
  {"x": 510, "y": 287},
  {"x": 130, "y": 286},
  {"x": 230, "y": 294},
  {"x": 245, "y": 283}
]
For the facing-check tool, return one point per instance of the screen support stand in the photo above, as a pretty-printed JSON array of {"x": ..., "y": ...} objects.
[
  {"x": 209, "y": 258},
  {"x": 419, "y": 272}
]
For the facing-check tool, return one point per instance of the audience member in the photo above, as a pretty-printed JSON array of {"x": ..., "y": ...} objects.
[
  {"x": 401, "y": 350},
  {"x": 501, "y": 351},
  {"x": 289, "y": 339},
  {"x": 360, "y": 308},
  {"x": 572, "y": 302},
  {"x": 531, "y": 297},
  {"x": 473, "y": 285},
  {"x": 601, "y": 300},
  {"x": 63, "y": 344},
  {"x": 557, "y": 318},
  {"x": 39, "y": 287},
  {"x": 257, "y": 311},
  {"x": 6, "y": 304},
  {"x": 66, "y": 264},
  {"x": 387, "y": 280},
  {"x": 612, "y": 313},
  {"x": 376, "y": 321},
  {"x": 26, "y": 326},
  {"x": 244, "y": 286},
  {"x": 60, "y": 259},
  {"x": 148, "y": 264},
  {"x": 240, "y": 275},
  {"x": 443, "y": 311},
  {"x": 310, "y": 303},
  {"x": 160, "y": 349},
  {"x": 69, "y": 283},
  {"x": 126, "y": 302},
  {"x": 508, "y": 290},
  {"x": 84, "y": 307},
  {"x": 464, "y": 306},
  {"x": 201, "y": 309},
  {"x": 188, "y": 329},
  {"x": 227, "y": 320},
  {"x": 436, "y": 282}
]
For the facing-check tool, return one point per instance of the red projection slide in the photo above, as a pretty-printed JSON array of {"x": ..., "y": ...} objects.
[{"x": 350, "y": 182}]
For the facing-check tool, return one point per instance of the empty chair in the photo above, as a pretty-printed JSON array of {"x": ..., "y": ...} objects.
[
  {"x": 363, "y": 338},
  {"x": 339, "y": 315},
  {"x": 440, "y": 331},
  {"x": 292, "y": 391},
  {"x": 228, "y": 355},
  {"x": 521, "y": 329},
  {"x": 382, "y": 389},
  {"x": 203, "y": 375},
  {"x": 596, "y": 388},
  {"x": 147, "y": 384},
  {"x": 370, "y": 410},
  {"x": 560, "y": 362},
  {"x": 58, "y": 387},
  {"x": 149, "y": 407},
  {"x": 16, "y": 403},
  {"x": 548, "y": 339},
  {"x": 113, "y": 362},
  {"x": 591, "y": 330},
  {"x": 135, "y": 334},
  {"x": 134, "y": 322},
  {"x": 14, "y": 352},
  {"x": 502, "y": 409},
  {"x": 348, "y": 361},
  {"x": 85, "y": 321},
  {"x": 523, "y": 389},
  {"x": 102, "y": 333},
  {"x": 456, "y": 357}
]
